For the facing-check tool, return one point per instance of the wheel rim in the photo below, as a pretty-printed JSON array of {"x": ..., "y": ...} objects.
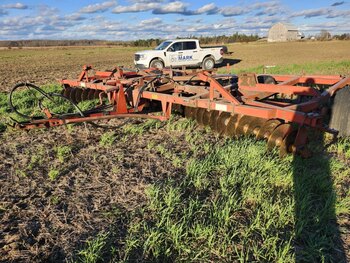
[
  {"x": 209, "y": 64},
  {"x": 158, "y": 65}
]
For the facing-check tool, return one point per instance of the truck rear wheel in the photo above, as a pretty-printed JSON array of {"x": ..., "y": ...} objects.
[
  {"x": 208, "y": 63},
  {"x": 156, "y": 63}
]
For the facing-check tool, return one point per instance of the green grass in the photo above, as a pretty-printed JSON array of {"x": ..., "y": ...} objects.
[
  {"x": 107, "y": 139},
  {"x": 93, "y": 250},
  {"x": 63, "y": 152},
  {"x": 327, "y": 67},
  {"x": 242, "y": 204},
  {"x": 53, "y": 174},
  {"x": 228, "y": 208}
]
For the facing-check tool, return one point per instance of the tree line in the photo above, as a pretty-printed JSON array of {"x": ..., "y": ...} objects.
[
  {"x": 152, "y": 42},
  {"x": 221, "y": 39},
  {"x": 53, "y": 43}
]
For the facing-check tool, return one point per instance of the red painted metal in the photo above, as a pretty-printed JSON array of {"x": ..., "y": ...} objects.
[{"x": 131, "y": 92}]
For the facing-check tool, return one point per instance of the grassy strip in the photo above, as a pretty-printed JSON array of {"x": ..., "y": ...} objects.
[
  {"x": 241, "y": 204},
  {"x": 326, "y": 67}
]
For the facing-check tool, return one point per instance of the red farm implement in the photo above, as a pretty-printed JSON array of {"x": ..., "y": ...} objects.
[{"x": 281, "y": 109}]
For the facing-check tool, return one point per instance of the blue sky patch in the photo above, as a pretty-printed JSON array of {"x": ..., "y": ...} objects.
[{"x": 141, "y": 19}]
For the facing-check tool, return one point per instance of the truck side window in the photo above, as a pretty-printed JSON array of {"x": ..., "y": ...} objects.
[
  {"x": 189, "y": 45},
  {"x": 176, "y": 47}
]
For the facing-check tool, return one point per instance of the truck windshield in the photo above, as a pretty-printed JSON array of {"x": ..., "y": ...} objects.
[{"x": 163, "y": 45}]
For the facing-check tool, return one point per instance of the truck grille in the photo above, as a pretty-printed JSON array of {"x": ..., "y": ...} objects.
[{"x": 137, "y": 57}]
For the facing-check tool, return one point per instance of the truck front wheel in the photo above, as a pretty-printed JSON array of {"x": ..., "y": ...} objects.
[
  {"x": 156, "y": 63},
  {"x": 208, "y": 63}
]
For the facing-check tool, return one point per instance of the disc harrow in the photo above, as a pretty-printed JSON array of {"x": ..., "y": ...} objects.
[{"x": 277, "y": 108}]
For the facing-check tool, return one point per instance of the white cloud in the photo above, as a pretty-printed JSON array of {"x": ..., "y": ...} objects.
[
  {"x": 171, "y": 8},
  {"x": 339, "y": 26},
  {"x": 138, "y": 7},
  {"x": 176, "y": 7},
  {"x": 326, "y": 12},
  {"x": 99, "y": 7},
  {"x": 75, "y": 17},
  {"x": 268, "y": 4},
  {"x": 339, "y": 13},
  {"x": 152, "y": 21},
  {"x": 15, "y": 6},
  {"x": 45, "y": 10},
  {"x": 233, "y": 11},
  {"x": 209, "y": 8},
  {"x": 146, "y": 1},
  {"x": 49, "y": 22},
  {"x": 311, "y": 12}
]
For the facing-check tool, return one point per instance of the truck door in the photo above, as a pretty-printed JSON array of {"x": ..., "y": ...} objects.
[
  {"x": 190, "y": 53},
  {"x": 182, "y": 53}
]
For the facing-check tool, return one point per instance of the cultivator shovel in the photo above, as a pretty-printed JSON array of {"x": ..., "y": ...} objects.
[{"x": 280, "y": 109}]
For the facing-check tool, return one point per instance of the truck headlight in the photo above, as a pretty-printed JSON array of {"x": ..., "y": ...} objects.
[{"x": 143, "y": 56}]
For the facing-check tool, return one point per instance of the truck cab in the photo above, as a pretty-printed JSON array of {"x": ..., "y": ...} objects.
[{"x": 179, "y": 52}]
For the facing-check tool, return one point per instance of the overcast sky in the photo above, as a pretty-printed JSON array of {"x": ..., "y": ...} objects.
[{"x": 135, "y": 19}]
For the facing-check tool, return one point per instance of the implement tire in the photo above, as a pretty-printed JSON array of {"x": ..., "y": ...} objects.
[{"x": 340, "y": 115}]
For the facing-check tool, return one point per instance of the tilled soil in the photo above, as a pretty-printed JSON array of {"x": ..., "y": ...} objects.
[
  {"x": 47, "y": 65},
  {"x": 45, "y": 220}
]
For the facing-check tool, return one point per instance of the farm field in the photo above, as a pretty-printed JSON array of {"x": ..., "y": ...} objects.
[
  {"x": 146, "y": 191},
  {"x": 45, "y": 65}
]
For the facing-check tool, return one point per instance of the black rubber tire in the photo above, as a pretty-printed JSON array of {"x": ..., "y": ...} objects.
[
  {"x": 208, "y": 63},
  {"x": 340, "y": 115},
  {"x": 156, "y": 63},
  {"x": 225, "y": 49},
  {"x": 266, "y": 79}
]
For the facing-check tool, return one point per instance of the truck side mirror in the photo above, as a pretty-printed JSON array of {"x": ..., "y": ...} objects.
[{"x": 171, "y": 49}]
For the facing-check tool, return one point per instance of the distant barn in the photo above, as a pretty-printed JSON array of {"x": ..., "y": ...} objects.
[{"x": 281, "y": 32}]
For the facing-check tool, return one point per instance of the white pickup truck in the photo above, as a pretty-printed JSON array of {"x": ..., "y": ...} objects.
[{"x": 180, "y": 52}]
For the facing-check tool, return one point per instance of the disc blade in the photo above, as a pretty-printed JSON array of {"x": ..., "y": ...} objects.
[
  {"x": 199, "y": 116},
  {"x": 287, "y": 145},
  {"x": 213, "y": 120},
  {"x": 230, "y": 130},
  {"x": 206, "y": 117},
  {"x": 96, "y": 94},
  {"x": 72, "y": 94},
  {"x": 78, "y": 94},
  {"x": 243, "y": 125},
  {"x": 85, "y": 94},
  {"x": 267, "y": 128},
  {"x": 255, "y": 126},
  {"x": 67, "y": 91},
  {"x": 91, "y": 94},
  {"x": 187, "y": 112},
  {"x": 277, "y": 136},
  {"x": 222, "y": 122}
]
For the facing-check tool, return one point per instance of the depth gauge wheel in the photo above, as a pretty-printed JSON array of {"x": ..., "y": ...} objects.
[{"x": 340, "y": 117}]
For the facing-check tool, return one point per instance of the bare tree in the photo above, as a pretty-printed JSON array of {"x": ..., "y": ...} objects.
[{"x": 324, "y": 35}]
